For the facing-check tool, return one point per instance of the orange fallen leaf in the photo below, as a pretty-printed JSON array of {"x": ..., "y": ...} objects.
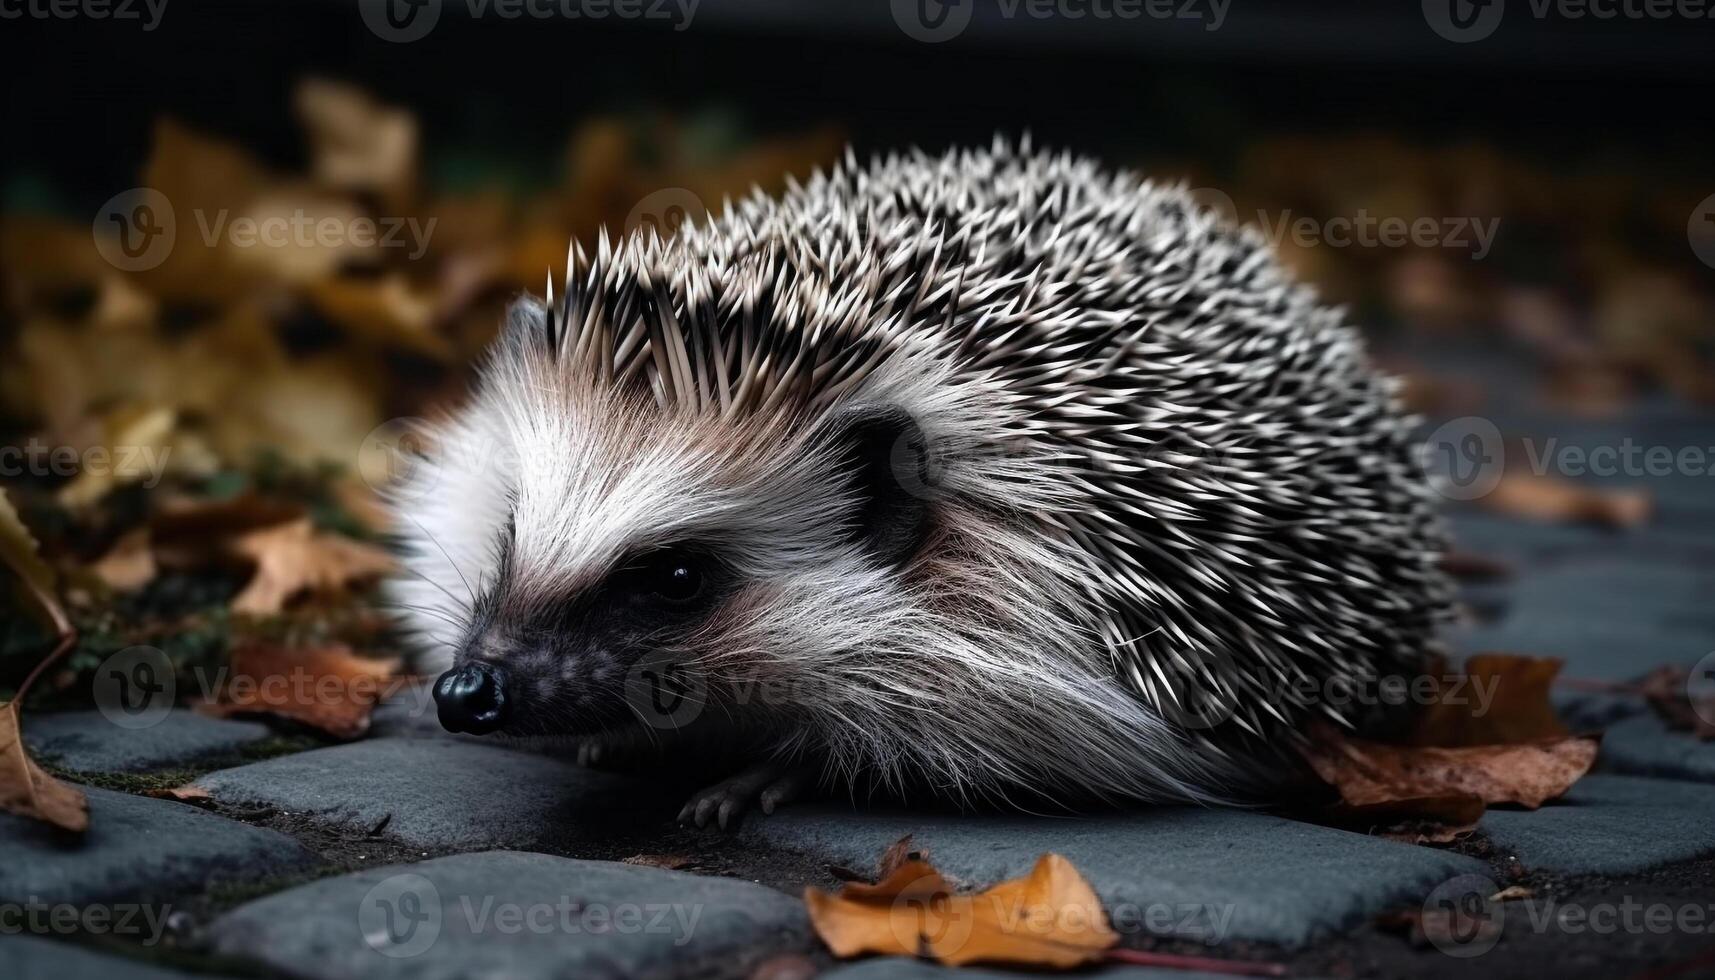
[
  {"x": 28, "y": 791},
  {"x": 25, "y": 789},
  {"x": 327, "y": 688},
  {"x": 294, "y": 558},
  {"x": 1550, "y": 498},
  {"x": 1499, "y": 698},
  {"x": 1051, "y": 918}
]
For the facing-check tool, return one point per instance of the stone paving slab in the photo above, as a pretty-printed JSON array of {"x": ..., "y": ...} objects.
[
  {"x": 137, "y": 848},
  {"x": 899, "y": 968},
  {"x": 1644, "y": 746},
  {"x": 34, "y": 958},
  {"x": 445, "y": 793},
  {"x": 1211, "y": 875},
  {"x": 85, "y": 741},
  {"x": 515, "y": 915},
  {"x": 1610, "y": 825}
]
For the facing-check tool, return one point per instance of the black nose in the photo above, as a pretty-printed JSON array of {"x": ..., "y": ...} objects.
[{"x": 472, "y": 698}]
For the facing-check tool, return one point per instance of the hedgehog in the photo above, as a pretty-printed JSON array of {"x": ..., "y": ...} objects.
[{"x": 996, "y": 477}]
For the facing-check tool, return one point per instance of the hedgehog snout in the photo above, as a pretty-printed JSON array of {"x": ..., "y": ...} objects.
[{"x": 472, "y": 698}]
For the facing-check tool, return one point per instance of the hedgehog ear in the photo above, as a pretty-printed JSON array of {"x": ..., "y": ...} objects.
[
  {"x": 884, "y": 450},
  {"x": 527, "y": 325}
]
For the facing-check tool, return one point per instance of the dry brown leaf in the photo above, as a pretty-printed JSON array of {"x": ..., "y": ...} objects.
[
  {"x": 1526, "y": 773},
  {"x": 327, "y": 688},
  {"x": 28, "y": 791},
  {"x": 1051, "y": 918},
  {"x": 129, "y": 564},
  {"x": 1501, "y": 698},
  {"x": 20, "y": 552},
  {"x": 1474, "y": 567},
  {"x": 295, "y": 557},
  {"x": 387, "y": 311},
  {"x": 1436, "y": 794},
  {"x": 133, "y": 438},
  {"x": 1668, "y": 691},
  {"x": 1550, "y": 498},
  {"x": 356, "y": 143},
  {"x": 24, "y": 788}
]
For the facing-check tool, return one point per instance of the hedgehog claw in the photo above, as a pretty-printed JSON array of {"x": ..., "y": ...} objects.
[{"x": 768, "y": 786}]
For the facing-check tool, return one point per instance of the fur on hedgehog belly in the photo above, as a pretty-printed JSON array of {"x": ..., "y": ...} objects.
[{"x": 1011, "y": 476}]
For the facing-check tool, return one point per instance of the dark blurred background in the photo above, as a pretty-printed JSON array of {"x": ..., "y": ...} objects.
[{"x": 1552, "y": 158}]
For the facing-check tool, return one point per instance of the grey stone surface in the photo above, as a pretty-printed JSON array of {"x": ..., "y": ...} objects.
[
  {"x": 85, "y": 741},
  {"x": 446, "y": 793},
  {"x": 898, "y": 968},
  {"x": 136, "y": 848},
  {"x": 1644, "y": 746},
  {"x": 34, "y": 958},
  {"x": 516, "y": 915},
  {"x": 1613, "y": 617},
  {"x": 1210, "y": 875},
  {"x": 1610, "y": 824}
]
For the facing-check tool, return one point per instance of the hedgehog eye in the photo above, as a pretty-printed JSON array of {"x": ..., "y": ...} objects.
[{"x": 673, "y": 574}]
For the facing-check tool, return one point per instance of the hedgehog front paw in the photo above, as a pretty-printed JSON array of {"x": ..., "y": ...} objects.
[{"x": 768, "y": 785}]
